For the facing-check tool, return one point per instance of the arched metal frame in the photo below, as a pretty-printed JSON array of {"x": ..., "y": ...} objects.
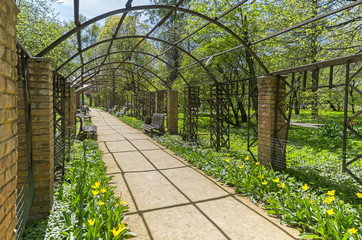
[{"x": 107, "y": 77}]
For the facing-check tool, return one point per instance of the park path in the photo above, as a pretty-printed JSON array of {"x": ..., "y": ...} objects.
[{"x": 171, "y": 200}]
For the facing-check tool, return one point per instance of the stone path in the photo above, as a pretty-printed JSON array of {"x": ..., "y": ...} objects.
[{"x": 171, "y": 200}]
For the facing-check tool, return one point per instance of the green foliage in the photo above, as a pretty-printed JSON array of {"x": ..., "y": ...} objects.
[{"x": 86, "y": 207}]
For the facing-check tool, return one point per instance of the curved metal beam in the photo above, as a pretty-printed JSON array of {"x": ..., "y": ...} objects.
[
  {"x": 127, "y": 70},
  {"x": 135, "y": 64},
  {"x": 140, "y": 36},
  {"x": 151, "y": 7},
  {"x": 125, "y": 51},
  {"x": 105, "y": 76},
  {"x": 101, "y": 82}
]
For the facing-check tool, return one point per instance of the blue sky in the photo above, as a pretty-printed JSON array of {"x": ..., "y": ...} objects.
[{"x": 92, "y": 8}]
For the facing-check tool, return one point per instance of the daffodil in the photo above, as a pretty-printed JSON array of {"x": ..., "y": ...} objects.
[
  {"x": 331, "y": 193},
  {"x": 227, "y": 160},
  {"x": 91, "y": 221},
  {"x": 96, "y": 185},
  {"x": 276, "y": 180},
  {"x": 95, "y": 192},
  {"x": 241, "y": 166},
  {"x": 123, "y": 203},
  {"x": 265, "y": 182},
  {"x": 100, "y": 203},
  {"x": 359, "y": 195},
  {"x": 247, "y": 158},
  {"x": 352, "y": 230},
  {"x": 304, "y": 187},
  {"x": 282, "y": 185},
  {"x": 116, "y": 232},
  {"x": 330, "y": 212},
  {"x": 103, "y": 190}
]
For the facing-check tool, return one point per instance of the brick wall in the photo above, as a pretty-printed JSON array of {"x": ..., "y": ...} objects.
[
  {"x": 8, "y": 118},
  {"x": 172, "y": 111},
  {"x": 41, "y": 96},
  {"x": 270, "y": 120}
]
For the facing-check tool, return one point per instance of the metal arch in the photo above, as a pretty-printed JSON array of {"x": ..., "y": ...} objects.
[
  {"x": 124, "y": 51},
  {"x": 101, "y": 82},
  {"x": 91, "y": 79},
  {"x": 118, "y": 69},
  {"x": 137, "y": 36},
  {"x": 149, "y": 7}
]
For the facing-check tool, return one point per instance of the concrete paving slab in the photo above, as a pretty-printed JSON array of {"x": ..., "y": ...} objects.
[
  {"x": 180, "y": 223},
  {"x": 201, "y": 188},
  {"x": 136, "y": 136},
  {"x": 144, "y": 145},
  {"x": 132, "y": 161},
  {"x": 152, "y": 191},
  {"x": 246, "y": 223},
  {"x": 111, "y": 137},
  {"x": 106, "y": 132},
  {"x": 162, "y": 160},
  {"x": 120, "y": 146},
  {"x": 122, "y": 192},
  {"x": 102, "y": 146},
  {"x": 111, "y": 164}
]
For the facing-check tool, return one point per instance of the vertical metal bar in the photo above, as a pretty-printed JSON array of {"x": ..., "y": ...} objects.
[
  {"x": 345, "y": 119},
  {"x": 305, "y": 79},
  {"x": 330, "y": 77}
]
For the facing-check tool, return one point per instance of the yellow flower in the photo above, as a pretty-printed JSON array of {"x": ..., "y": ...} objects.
[
  {"x": 91, "y": 221},
  {"x": 307, "y": 197},
  {"x": 100, "y": 203},
  {"x": 328, "y": 200},
  {"x": 265, "y": 182},
  {"x": 260, "y": 176},
  {"x": 96, "y": 185},
  {"x": 257, "y": 163},
  {"x": 116, "y": 232},
  {"x": 352, "y": 230},
  {"x": 341, "y": 202},
  {"x": 227, "y": 166},
  {"x": 123, "y": 203},
  {"x": 311, "y": 202},
  {"x": 241, "y": 166},
  {"x": 359, "y": 195},
  {"x": 103, "y": 190},
  {"x": 227, "y": 160},
  {"x": 331, "y": 193},
  {"x": 95, "y": 192},
  {"x": 304, "y": 187},
  {"x": 330, "y": 212},
  {"x": 276, "y": 180},
  {"x": 121, "y": 227},
  {"x": 247, "y": 158},
  {"x": 282, "y": 185}
]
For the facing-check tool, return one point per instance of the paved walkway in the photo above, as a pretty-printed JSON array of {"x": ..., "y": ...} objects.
[{"x": 170, "y": 200}]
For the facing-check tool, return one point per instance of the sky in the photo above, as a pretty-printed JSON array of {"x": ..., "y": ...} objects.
[{"x": 92, "y": 8}]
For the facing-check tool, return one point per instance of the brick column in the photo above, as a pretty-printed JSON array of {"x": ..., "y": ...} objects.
[
  {"x": 8, "y": 118},
  {"x": 172, "y": 111},
  {"x": 160, "y": 102},
  {"x": 69, "y": 103},
  {"x": 41, "y": 96},
  {"x": 270, "y": 121}
]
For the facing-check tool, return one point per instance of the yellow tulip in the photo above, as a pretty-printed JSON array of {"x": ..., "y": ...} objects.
[
  {"x": 103, "y": 190},
  {"x": 331, "y": 193},
  {"x": 91, "y": 221},
  {"x": 227, "y": 160},
  {"x": 276, "y": 180},
  {"x": 352, "y": 230},
  {"x": 247, "y": 158},
  {"x": 330, "y": 212},
  {"x": 116, "y": 232},
  {"x": 265, "y": 182},
  {"x": 123, "y": 203},
  {"x": 359, "y": 195},
  {"x": 95, "y": 192},
  {"x": 282, "y": 185},
  {"x": 241, "y": 166},
  {"x": 100, "y": 203},
  {"x": 304, "y": 187},
  {"x": 96, "y": 185}
]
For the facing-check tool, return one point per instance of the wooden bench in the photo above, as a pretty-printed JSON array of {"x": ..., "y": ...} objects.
[
  {"x": 110, "y": 110},
  {"x": 157, "y": 123},
  {"x": 122, "y": 112},
  {"x": 86, "y": 129}
]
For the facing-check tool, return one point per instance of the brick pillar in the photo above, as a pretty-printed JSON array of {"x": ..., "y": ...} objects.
[
  {"x": 77, "y": 100},
  {"x": 69, "y": 103},
  {"x": 8, "y": 118},
  {"x": 270, "y": 121},
  {"x": 41, "y": 97},
  {"x": 160, "y": 102},
  {"x": 172, "y": 111}
]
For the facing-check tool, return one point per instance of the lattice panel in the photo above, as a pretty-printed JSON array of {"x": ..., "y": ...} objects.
[
  {"x": 219, "y": 112},
  {"x": 191, "y": 109}
]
